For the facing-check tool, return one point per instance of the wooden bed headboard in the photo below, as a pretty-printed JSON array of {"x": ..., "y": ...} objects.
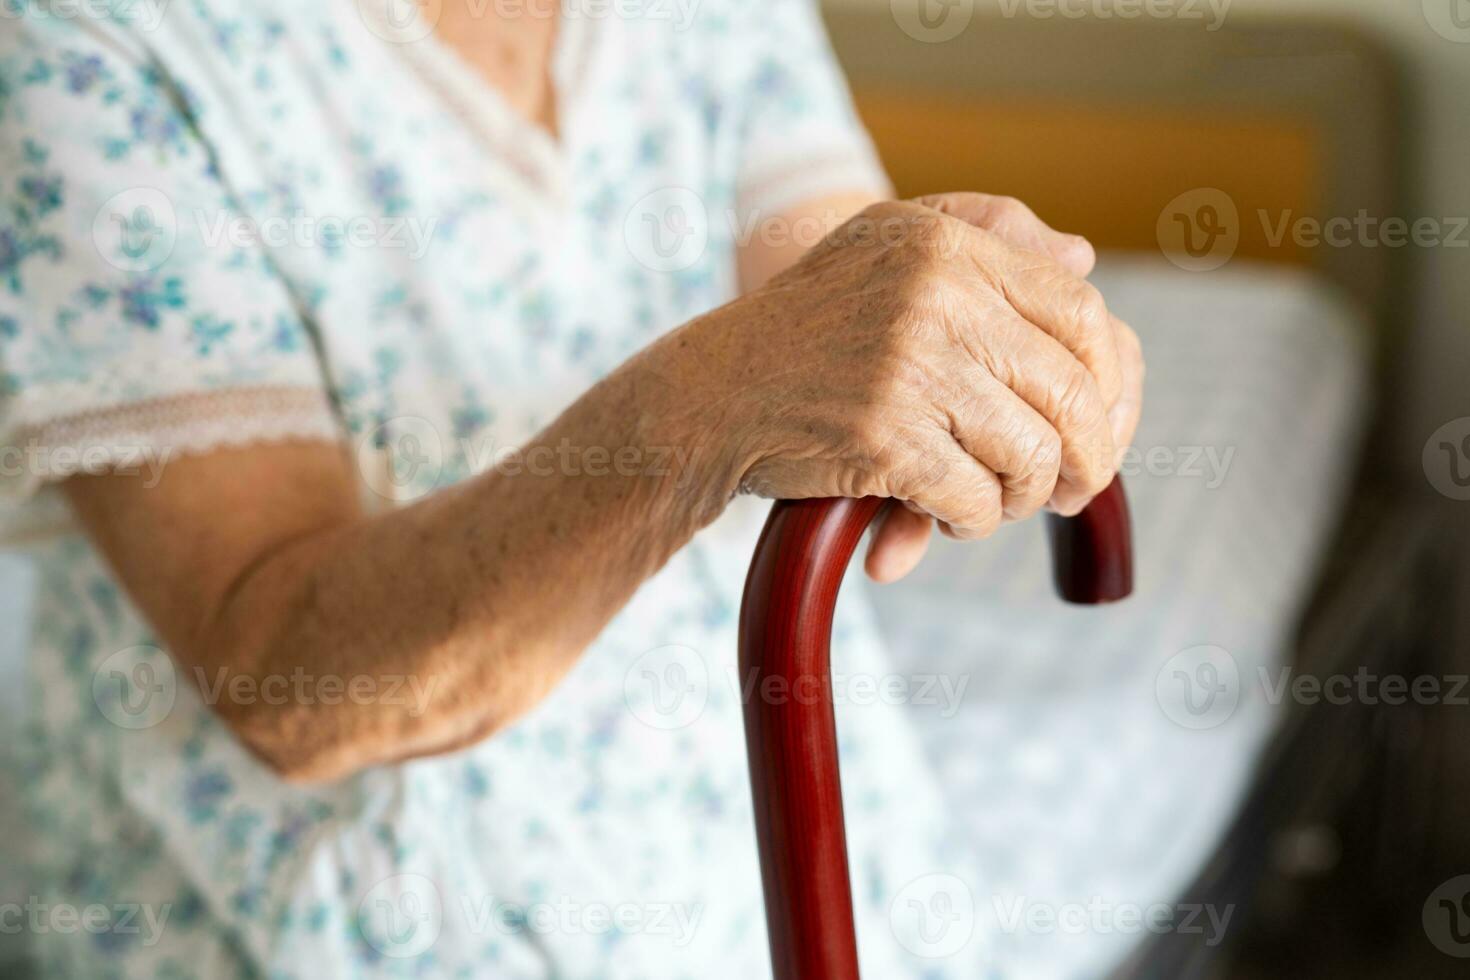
[{"x": 1101, "y": 126}]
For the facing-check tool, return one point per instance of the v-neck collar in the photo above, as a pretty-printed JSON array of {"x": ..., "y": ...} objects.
[{"x": 534, "y": 155}]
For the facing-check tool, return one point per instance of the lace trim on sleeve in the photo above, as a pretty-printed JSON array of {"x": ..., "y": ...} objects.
[{"x": 146, "y": 436}]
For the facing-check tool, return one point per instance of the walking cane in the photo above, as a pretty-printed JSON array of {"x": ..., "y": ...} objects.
[{"x": 785, "y": 632}]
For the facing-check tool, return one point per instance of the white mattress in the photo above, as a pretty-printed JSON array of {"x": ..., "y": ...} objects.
[{"x": 1082, "y": 785}]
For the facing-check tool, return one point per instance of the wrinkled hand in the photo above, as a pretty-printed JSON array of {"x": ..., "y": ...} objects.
[{"x": 946, "y": 352}]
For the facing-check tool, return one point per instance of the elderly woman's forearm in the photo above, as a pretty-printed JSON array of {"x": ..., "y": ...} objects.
[{"x": 472, "y": 603}]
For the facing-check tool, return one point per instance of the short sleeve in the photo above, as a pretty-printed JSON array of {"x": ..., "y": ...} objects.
[
  {"x": 133, "y": 325},
  {"x": 800, "y": 135}
]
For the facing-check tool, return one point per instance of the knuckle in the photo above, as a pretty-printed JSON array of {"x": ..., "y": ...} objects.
[
  {"x": 1080, "y": 246},
  {"x": 1086, "y": 456},
  {"x": 1096, "y": 342},
  {"x": 1076, "y": 403},
  {"x": 881, "y": 226},
  {"x": 1034, "y": 482},
  {"x": 1009, "y": 209},
  {"x": 1092, "y": 469},
  {"x": 884, "y": 209},
  {"x": 968, "y": 206},
  {"x": 918, "y": 480},
  {"x": 983, "y": 516},
  {"x": 948, "y": 202},
  {"x": 933, "y": 238},
  {"x": 1041, "y": 462},
  {"x": 1090, "y": 311},
  {"x": 927, "y": 288}
]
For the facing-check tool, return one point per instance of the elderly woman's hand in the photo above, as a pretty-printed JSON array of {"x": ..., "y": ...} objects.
[{"x": 915, "y": 354}]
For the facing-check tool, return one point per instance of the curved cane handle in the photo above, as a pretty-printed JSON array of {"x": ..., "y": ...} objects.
[{"x": 790, "y": 731}]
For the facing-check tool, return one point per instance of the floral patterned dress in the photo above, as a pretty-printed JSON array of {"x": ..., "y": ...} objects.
[{"x": 225, "y": 223}]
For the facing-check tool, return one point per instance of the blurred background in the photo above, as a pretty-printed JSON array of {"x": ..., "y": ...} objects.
[
  {"x": 1243, "y": 163},
  {"x": 1281, "y": 189}
]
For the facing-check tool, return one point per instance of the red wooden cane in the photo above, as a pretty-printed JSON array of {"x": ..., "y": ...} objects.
[{"x": 790, "y": 732}]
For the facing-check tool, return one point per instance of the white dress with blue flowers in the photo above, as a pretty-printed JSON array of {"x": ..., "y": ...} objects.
[{"x": 224, "y": 223}]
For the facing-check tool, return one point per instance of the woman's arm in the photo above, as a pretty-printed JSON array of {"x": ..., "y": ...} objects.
[
  {"x": 259, "y": 562},
  {"x": 910, "y": 355}
]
